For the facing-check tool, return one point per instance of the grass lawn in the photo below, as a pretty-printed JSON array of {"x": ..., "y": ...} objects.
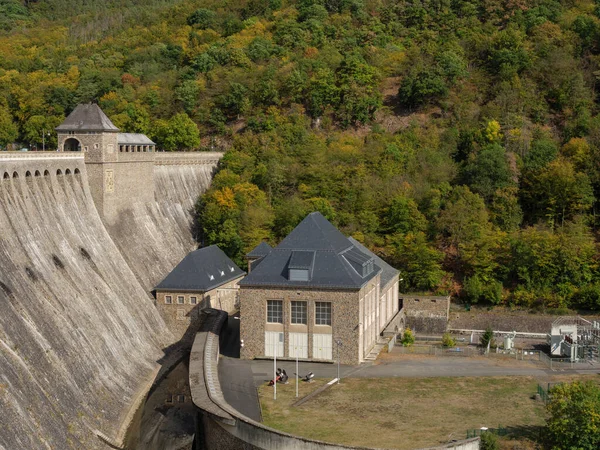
[{"x": 407, "y": 413}]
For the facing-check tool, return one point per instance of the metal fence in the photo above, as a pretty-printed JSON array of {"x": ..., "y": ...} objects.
[
  {"x": 543, "y": 393},
  {"x": 564, "y": 363},
  {"x": 440, "y": 351},
  {"x": 500, "y": 431}
]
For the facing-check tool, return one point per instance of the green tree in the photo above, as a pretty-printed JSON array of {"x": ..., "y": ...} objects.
[
  {"x": 487, "y": 338},
  {"x": 419, "y": 263},
  {"x": 8, "y": 129},
  {"x": 178, "y": 133},
  {"x": 39, "y": 130},
  {"x": 488, "y": 171},
  {"x": 404, "y": 216},
  {"x": 203, "y": 18},
  {"x": 422, "y": 85},
  {"x": 505, "y": 209},
  {"x": 574, "y": 421},
  {"x": 557, "y": 192},
  {"x": 464, "y": 218}
]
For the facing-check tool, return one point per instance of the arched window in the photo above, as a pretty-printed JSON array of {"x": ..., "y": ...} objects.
[
  {"x": 46, "y": 173},
  {"x": 76, "y": 172},
  {"x": 15, "y": 175},
  {"x": 68, "y": 172},
  {"x": 6, "y": 176},
  {"x": 37, "y": 173},
  {"x": 28, "y": 174},
  {"x": 59, "y": 172}
]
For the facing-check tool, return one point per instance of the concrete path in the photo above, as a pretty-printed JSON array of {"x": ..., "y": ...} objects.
[{"x": 235, "y": 375}]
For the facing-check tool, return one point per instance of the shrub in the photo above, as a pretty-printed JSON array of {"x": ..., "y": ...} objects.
[
  {"x": 489, "y": 441},
  {"x": 408, "y": 338},
  {"x": 448, "y": 341}
]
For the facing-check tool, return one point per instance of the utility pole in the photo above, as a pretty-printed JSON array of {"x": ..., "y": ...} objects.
[
  {"x": 44, "y": 139},
  {"x": 339, "y": 343}
]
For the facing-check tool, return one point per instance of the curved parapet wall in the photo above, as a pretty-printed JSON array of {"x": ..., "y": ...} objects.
[
  {"x": 154, "y": 236},
  {"x": 225, "y": 427},
  {"x": 78, "y": 333}
]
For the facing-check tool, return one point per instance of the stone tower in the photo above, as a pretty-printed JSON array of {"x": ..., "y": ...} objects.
[{"x": 119, "y": 173}]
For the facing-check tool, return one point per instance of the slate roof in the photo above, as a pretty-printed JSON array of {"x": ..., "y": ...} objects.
[
  {"x": 134, "y": 139},
  {"x": 387, "y": 271},
  {"x": 262, "y": 249},
  {"x": 201, "y": 270},
  {"x": 88, "y": 117},
  {"x": 317, "y": 246}
]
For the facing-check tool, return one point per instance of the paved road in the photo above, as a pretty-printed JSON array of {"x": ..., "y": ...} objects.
[{"x": 240, "y": 378}]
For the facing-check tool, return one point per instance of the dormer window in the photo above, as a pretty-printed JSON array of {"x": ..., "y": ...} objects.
[
  {"x": 211, "y": 277},
  {"x": 222, "y": 273},
  {"x": 300, "y": 265},
  {"x": 298, "y": 275}
]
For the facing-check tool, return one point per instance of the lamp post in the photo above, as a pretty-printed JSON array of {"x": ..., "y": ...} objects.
[
  {"x": 339, "y": 344},
  {"x": 44, "y": 139}
]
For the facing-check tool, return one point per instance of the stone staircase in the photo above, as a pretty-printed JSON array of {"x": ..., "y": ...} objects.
[{"x": 381, "y": 343}]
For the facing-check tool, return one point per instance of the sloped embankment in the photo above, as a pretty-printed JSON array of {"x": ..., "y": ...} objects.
[{"x": 78, "y": 333}]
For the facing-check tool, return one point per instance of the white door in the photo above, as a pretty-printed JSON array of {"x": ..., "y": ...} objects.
[
  {"x": 273, "y": 342},
  {"x": 322, "y": 346},
  {"x": 299, "y": 345}
]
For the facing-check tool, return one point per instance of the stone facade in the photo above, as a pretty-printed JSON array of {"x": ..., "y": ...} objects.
[
  {"x": 181, "y": 317},
  {"x": 426, "y": 314},
  {"x": 355, "y": 318},
  {"x": 117, "y": 179}
]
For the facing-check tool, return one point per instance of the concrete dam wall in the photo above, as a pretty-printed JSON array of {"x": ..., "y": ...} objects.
[
  {"x": 79, "y": 333},
  {"x": 154, "y": 236}
]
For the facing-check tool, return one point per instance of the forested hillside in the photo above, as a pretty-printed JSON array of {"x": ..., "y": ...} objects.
[{"x": 459, "y": 139}]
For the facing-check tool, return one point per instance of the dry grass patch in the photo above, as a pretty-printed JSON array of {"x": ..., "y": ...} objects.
[{"x": 407, "y": 413}]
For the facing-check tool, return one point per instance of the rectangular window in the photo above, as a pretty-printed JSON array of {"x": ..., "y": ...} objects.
[
  {"x": 181, "y": 398},
  {"x": 193, "y": 300},
  {"x": 323, "y": 313},
  {"x": 180, "y": 299},
  {"x": 275, "y": 311},
  {"x": 169, "y": 398},
  {"x": 299, "y": 311},
  {"x": 168, "y": 299}
]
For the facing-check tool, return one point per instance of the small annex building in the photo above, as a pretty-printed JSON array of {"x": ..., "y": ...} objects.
[
  {"x": 205, "y": 278},
  {"x": 316, "y": 288}
]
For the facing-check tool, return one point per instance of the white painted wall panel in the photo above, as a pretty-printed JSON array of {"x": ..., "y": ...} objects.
[
  {"x": 298, "y": 345},
  {"x": 322, "y": 346}
]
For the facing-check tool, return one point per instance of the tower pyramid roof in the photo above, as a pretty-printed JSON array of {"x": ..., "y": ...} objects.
[{"x": 87, "y": 117}]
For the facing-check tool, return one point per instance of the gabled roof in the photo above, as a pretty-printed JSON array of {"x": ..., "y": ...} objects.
[
  {"x": 387, "y": 271},
  {"x": 88, "y": 117},
  {"x": 201, "y": 270},
  {"x": 134, "y": 139},
  {"x": 262, "y": 249},
  {"x": 317, "y": 246}
]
